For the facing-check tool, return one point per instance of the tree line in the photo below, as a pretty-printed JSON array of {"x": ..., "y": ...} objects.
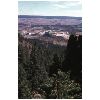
[{"x": 49, "y": 72}]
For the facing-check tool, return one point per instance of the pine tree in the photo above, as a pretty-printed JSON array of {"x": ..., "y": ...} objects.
[
  {"x": 24, "y": 90},
  {"x": 37, "y": 72},
  {"x": 55, "y": 65},
  {"x": 64, "y": 87},
  {"x": 60, "y": 86},
  {"x": 20, "y": 54},
  {"x": 73, "y": 57}
]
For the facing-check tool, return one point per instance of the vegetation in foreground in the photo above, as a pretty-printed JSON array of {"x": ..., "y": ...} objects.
[{"x": 50, "y": 72}]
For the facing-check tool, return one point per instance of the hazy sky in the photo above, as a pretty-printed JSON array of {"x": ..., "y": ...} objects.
[{"x": 50, "y": 8}]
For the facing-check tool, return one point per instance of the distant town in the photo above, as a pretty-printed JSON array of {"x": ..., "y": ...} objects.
[{"x": 50, "y": 29}]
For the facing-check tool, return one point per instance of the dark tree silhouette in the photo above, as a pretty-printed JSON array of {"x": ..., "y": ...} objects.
[
  {"x": 55, "y": 65},
  {"x": 73, "y": 57}
]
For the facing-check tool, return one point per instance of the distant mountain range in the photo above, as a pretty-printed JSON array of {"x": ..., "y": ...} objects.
[
  {"x": 49, "y": 20},
  {"x": 49, "y": 17}
]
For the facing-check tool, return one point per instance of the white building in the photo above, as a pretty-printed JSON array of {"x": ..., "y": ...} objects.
[
  {"x": 31, "y": 33},
  {"x": 42, "y": 33},
  {"x": 24, "y": 32},
  {"x": 65, "y": 35}
]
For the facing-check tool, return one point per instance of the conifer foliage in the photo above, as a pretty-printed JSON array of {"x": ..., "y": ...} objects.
[{"x": 45, "y": 73}]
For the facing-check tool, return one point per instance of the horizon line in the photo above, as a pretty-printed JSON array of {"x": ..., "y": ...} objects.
[{"x": 49, "y": 15}]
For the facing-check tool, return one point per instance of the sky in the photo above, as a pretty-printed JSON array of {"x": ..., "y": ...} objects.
[{"x": 51, "y": 8}]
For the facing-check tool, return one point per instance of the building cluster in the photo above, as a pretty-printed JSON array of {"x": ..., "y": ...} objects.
[{"x": 40, "y": 31}]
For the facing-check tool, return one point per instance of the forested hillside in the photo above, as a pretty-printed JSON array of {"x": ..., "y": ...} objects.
[{"x": 49, "y": 71}]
